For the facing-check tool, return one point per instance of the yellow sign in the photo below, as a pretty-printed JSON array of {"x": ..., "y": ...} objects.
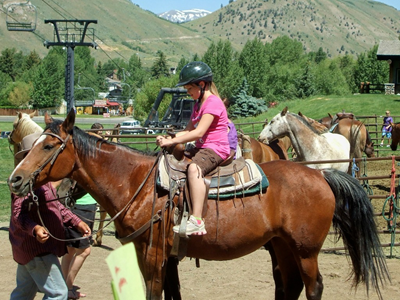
[{"x": 125, "y": 272}]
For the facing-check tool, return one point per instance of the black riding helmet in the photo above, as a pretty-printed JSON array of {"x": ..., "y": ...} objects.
[{"x": 194, "y": 72}]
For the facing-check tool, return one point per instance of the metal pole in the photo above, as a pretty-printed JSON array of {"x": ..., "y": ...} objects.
[{"x": 69, "y": 79}]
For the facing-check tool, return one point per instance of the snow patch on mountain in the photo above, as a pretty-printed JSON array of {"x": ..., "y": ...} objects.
[{"x": 181, "y": 16}]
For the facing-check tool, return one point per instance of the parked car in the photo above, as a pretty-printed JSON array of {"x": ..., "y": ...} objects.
[
  {"x": 5, "y": 134},
  {"x": 128, "y": 127}
]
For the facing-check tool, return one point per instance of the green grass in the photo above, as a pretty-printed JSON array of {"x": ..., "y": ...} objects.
[{"x": 315, "y": 107}]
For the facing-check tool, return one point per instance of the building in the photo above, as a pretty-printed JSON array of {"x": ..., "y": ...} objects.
[{"x": 390, "y": 51}]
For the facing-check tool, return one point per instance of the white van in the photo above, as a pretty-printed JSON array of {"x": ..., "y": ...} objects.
[{"x": 128, "y": 127}]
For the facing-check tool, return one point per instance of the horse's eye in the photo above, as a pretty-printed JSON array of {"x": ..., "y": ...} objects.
[{"x": 48, "y": 147}]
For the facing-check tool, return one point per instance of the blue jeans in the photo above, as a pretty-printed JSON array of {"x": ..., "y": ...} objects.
[{"x": 42, "y": 274}]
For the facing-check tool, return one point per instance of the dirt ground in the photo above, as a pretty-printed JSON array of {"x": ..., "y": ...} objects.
[{"x": 248, "y": 277}]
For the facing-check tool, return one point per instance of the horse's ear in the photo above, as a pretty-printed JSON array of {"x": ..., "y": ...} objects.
[
  {"x": 330, "y": 116},
  {"x": 301, "y": 115},
  {"x": 69, "y": 121},
  {"x": 284, "y": 111},
  {"x": 47, "y": 118},
  {"x": 32, "y": 114},
  {"x": 19, "y": 114}
]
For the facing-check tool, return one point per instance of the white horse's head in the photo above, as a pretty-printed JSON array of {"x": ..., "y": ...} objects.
[
  {"x": 23, "y": 125},
  {"x": 276, "y": 128}
]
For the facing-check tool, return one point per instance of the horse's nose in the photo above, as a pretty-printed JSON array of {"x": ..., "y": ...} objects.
[
  {"x": 15, "y": 183},
  {"x": 262, "y": 140}
]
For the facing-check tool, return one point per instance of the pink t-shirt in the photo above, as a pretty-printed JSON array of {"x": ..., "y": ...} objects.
[{"x": 216, "y": 137}]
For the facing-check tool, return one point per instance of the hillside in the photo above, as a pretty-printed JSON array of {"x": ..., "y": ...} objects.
[
  {"x": 339, "y": 27},
  {"x": 124, "y": 29}
]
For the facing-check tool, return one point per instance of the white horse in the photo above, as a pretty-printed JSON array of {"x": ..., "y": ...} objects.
[{"x": 309, "y": 143}]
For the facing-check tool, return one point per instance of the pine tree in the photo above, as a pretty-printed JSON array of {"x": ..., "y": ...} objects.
[{"x": 160, "y": 67}]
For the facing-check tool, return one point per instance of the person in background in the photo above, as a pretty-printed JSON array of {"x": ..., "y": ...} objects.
[
  {"x": 232, "y": 133},
  {"x": 78, "y": 250},
  {"x": 208, "y": 127},
  {"x": 34, "y": 235},
  {"x": 99, "y": 128},
  {"x": 387, "y": 128}
]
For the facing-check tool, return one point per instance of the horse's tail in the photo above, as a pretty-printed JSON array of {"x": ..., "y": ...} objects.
[
  {"x": 354, "y": 221},
  {"x": 355, "y": 131}
]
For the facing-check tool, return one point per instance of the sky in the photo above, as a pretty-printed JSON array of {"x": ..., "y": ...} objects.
[{"x": 160, "y": 6}]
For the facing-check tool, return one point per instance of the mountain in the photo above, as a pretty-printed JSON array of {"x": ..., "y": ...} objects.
[
  {"x": 338, "y": 26},
  {"x": 124, "y": 29},
  {"x": 181, "y": 16}
]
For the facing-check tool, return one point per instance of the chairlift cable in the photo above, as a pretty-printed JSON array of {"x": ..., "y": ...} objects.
[{"x": 58, "y": 12}]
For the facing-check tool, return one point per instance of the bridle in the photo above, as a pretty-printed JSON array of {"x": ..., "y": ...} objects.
[
  {"x": 52, "y": 158},
  {"x": 155, "y": 218}
]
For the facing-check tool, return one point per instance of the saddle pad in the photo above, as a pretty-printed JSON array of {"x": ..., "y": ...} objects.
[
  {"x": 163, "y": 177},
  {"x": 256, "y": 189},
  {"x": 248, "y": 177},
  {"x": 244, "y": 179}
]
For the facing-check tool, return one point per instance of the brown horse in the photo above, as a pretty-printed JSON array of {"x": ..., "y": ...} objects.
[
  {"x": 259, "y": 152},
  {"x": 24, "y": 125},
  {"x": 395, "y": 136},
  {"x": 295, "y": 213},
  {"x": 355, "y": 132}
]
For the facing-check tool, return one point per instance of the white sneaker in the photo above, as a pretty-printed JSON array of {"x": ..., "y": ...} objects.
[{"x": 192, "y": 227}]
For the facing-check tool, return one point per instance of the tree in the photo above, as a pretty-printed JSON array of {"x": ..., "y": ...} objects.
[
  {"x": 369, "y": 69},
  {"x": 32, "y": 60},
  {"x": 284, "y": 50},
  {"x": 20, "y": 94},
  {"x": 254, "y": 63},
  {"x": 243, "y": 105},
  {"x": 182, "y": 62},
  {"x": 8, "y": 62},
  {"x": 305, "y": 84},
  {"x": 223, "y": 62},
  {"x": 148, "y": 94},
  {"x": 160, "y": 67},
  {"x": 49, "y": 81}
]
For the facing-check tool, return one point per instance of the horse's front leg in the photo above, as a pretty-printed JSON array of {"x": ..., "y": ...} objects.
[
  {"x": 99, "y": 235},
  {"x": 153, "y": 270}
]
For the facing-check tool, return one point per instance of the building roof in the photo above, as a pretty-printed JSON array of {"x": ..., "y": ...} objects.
[{"x": 388, "y": 50}]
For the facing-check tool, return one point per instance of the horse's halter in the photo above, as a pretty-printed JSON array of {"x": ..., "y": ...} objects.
[{"x": 51, "y": 159}]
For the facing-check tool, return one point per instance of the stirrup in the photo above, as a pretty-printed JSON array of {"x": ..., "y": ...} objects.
[{"x": 182, "y": 226}]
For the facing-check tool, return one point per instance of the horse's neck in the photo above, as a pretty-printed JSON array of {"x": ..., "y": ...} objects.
[
  {"x": 302, "y": 138},
  {"x": 114, "y": 175}
]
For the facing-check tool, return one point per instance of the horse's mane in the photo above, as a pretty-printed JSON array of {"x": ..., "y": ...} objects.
[
  {"x": 304, "y": 121},
  {"x": 87, "y": 143},
  {"x": 27, "y": 126},
  {"x": 315, "y": 124}
]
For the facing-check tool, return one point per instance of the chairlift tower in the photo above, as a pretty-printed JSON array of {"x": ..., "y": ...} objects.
[{"x": 69, "y": 34}]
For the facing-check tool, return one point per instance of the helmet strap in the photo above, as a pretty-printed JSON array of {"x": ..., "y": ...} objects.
[{"x": 202, "y": 90}]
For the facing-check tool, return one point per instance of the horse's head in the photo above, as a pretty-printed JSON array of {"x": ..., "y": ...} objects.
[
  {"x": 51, "y": 158},
  {"x": 395, "y": 136},
  {"x": 369, "y": 149},
  {"x": 277, "y": 128},
  {"x": 327, "y": 121},
  {"x": 23, "y": 125}
]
